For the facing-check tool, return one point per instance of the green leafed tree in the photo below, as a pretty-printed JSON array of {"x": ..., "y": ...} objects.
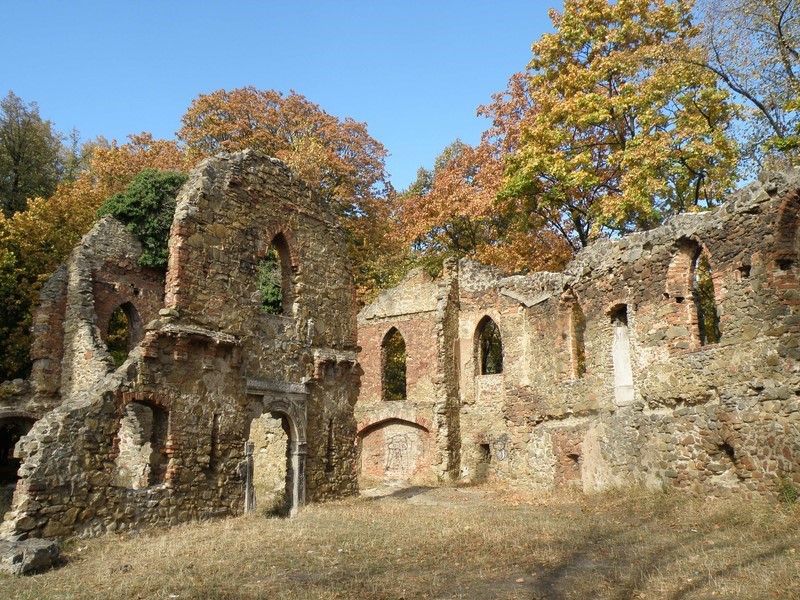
[
  {"x": 612, "y": 132},
  {"x": 269, "y": 283},
  {"x": 30, "y": 154},
  {"x": 754, "y": 49},
  {"x": 147, "y": 208}
]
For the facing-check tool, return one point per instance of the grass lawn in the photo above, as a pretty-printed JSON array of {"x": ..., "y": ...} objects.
[{"x": 474, "y": 542}]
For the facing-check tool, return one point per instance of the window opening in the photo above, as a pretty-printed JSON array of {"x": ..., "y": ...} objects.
[
  {"x": 274, "y": 276},
  {"x": 578, "y": 347},
  {"x": 394, "y": 366},
  {"x": 118, "y": 336},
  {"x": 490, "y": 348},
  {"x": 621, "y": 356},
  {"x": 142, "y": 459},
  {"x": 705, "y": 301}
]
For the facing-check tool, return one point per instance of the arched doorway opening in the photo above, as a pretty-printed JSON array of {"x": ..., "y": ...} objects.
[
  {"x": 275, "y": 447},
  {"x": 270, "y": 491}
]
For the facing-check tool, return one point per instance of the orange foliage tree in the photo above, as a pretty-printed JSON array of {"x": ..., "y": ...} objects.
[
  {"x": 335, "y": 156},
  {"x": 35, "y": 241},
  {"x": 452, "y": 211}
]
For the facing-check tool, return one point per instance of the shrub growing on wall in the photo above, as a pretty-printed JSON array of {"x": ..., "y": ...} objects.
[
  {"x": 147, "y": 207},
  {"x": 269, "y": 283}
]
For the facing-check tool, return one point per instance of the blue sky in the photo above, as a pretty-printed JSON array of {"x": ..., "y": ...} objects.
[{"x": 414, "y": 71}]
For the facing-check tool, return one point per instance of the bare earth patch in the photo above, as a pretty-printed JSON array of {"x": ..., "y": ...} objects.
[{"x": 474, "y": 542}]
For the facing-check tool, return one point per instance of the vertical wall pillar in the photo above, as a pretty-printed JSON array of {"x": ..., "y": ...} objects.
[
  {"x": 298, "y": 455},
  {"x": 249, "y": 487}
]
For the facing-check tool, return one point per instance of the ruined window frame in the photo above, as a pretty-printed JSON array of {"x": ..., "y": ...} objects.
[
  {"x": 397, "y": 392},
  {"x": 487, "y": 346},
  {"x": 279, "y": 253},
  {"x": 701, "y": 312},
  {"x": 155, "y": 473},
  {"x": 133, "y": 329}
]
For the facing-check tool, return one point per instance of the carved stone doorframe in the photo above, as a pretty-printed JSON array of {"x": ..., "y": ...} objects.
[{"x": 289, "y": 400}]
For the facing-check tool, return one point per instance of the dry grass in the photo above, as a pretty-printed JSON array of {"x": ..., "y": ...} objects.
[{"x": 451, "y": 543}]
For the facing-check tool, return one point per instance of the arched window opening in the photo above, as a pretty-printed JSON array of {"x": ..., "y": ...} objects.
[
  {"x": 142, "y": 459},
  {"x": 577, "y": 326},
  {"x": 118, "y": 337},
  {"x": 490, "y": 347},
  {"x": 621, "y": 355},
  {"x": 705, "y": 301},
  {"x": 123, "y": 333},
  {"x": 274, "y": 278},
  {"x": 394, "y": 366}
]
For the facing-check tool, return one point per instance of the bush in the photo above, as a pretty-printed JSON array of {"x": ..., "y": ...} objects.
[{"x": 147, "y": 207}]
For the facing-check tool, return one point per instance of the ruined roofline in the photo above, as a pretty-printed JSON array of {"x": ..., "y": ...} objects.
[
  {"x": 770, "y": 185},
  {"x": 206, "y": 171},
  {"x": 532, "y": 288}
]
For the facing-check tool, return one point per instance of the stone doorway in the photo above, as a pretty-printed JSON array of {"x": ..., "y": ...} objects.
[
  {"x": 275, "y": 449},
  {"x": 269, "y": 488}
]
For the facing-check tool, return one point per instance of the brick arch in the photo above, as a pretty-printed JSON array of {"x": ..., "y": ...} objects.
[
  {"x": 395, "y": 449},
  {"x": 407, "y": 415},
  {"x": 279, "y": 230},
  {"x": 680, "y": 289},
  {"x": 681, "y": 267},
  {"x": 280, "y": 240}
]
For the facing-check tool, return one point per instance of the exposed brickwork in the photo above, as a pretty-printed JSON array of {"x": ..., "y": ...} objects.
[
  {"x": 209, "y": 362},
  {"x": 605, "y": 381}
]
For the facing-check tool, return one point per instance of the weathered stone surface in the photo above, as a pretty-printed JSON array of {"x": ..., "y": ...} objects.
[
  {"x": 605, "y": 378},
  {"x": 28, "y": 556},
  {"x": 161, "y": 439}
]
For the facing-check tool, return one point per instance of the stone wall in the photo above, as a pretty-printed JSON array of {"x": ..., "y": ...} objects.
[
  {"x": 418, "y": 432},
  {"x": 161, "y": 439},
  {"x": 605, "y": 378}
]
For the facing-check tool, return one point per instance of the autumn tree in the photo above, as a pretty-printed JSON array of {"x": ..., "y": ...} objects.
[
  {"x": 30, "y": 154},
  {"x": 35, "y": 241},
  {"x": 451, "y": 211},
  {"x": 611, "y": 132},
  {"x": 337, "y": 157},
  {"x": 754, "y": 49}
]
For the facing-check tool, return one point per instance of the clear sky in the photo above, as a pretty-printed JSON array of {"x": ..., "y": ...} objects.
[{"x": 415, "y": 71}]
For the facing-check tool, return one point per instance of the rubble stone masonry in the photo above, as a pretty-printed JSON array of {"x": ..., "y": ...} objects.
[
  {"x": 605, "y": 380},
  {"x": 161, "y": 439}
]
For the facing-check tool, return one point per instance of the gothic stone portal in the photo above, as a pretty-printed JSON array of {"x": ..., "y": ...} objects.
[{"x": 288, "y": 401}]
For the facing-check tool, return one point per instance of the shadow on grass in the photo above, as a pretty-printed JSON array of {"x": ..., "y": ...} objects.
[{"x": 609, "y": 561}]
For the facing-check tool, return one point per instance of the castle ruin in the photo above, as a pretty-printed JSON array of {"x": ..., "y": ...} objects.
[{"x": 622, "y": 370}]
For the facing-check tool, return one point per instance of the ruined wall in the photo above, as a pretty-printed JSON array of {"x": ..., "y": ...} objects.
[
  {"x": 411, "y": 439},
  {"x": 209, "y": 364},
  {"x": 607, "y": 379}
]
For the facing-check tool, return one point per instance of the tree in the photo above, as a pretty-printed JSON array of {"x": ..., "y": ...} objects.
[
  {"x": 30, "y": 154},
  {"x": 147, "y": 208},
  {"x": 754, "y": 49},
  {"x": 611, "y": 131},
  {"x": 451, "y": 210},
  {"x": 35, "y": 241},
  {"x": 337, "y": 157}
]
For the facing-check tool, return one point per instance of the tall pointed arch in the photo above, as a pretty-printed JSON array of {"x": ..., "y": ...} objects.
[
  {"x": 393, "y": 368},
  {"x": 489, "y": 347},
  {"x": 275, "y": 278}
]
